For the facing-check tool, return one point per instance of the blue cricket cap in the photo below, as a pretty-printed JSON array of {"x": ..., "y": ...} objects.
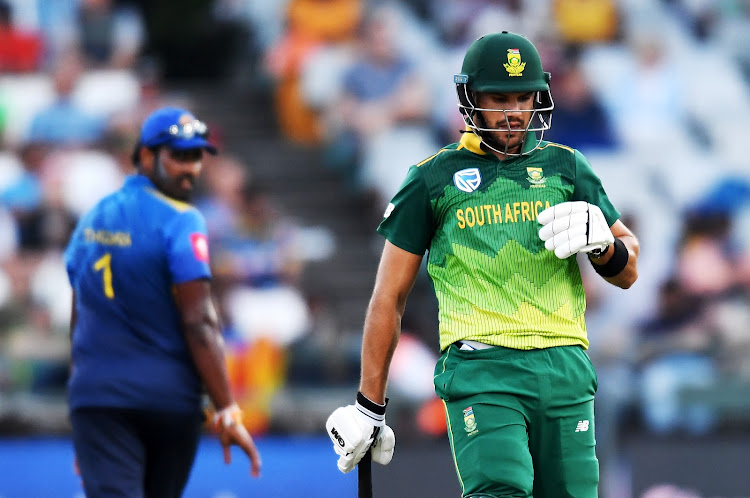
[{"x": 175, "y": 128}]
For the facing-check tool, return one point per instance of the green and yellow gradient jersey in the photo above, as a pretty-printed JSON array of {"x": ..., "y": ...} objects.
[{"x": 494, "y": 280}]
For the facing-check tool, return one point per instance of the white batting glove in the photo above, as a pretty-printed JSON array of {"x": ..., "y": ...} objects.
[
  {"x": 572, "y": 227},
  {"x": 385, "y": 444},
  {"x": 355, "y": 430}
]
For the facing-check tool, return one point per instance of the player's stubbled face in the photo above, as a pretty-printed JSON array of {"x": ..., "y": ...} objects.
[
  {"x": 513, "y": 114},
  {"x": 177, "y": 171}
]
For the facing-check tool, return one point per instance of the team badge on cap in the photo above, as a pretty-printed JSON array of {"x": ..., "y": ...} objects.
[{"x": 514, "y": 66}]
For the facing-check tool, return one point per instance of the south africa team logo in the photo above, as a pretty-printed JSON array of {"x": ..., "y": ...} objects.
[
  {"x": 470, "y": 423},
  {"x": 536, "y": 177},
  {"x": 514, "y": 66},
  {"x": 467, "y": 180}
]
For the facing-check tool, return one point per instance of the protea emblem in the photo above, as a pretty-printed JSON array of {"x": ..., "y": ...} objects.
[
  {"x": 470, "y": 422},
  {"x": 514, "y": 66},
  {"x": 536, "y": 176},
  {"x": 467, "y": 180}
]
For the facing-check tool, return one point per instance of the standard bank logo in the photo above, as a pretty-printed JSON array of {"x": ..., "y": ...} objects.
[{"x": 467, "y": 180}]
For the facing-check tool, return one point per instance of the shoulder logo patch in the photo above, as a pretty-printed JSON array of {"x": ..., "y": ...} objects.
[
  {"x": 200, "y": 246},
  {"x": 389, "y": 210},
  {"x": 470, "y": 422},
  {"x": 467, "y": 180}
]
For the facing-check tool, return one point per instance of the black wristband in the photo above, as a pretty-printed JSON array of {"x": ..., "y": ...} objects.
[
  {"x": 371, "y": 405},
  {"x": 616, "y": 263}
]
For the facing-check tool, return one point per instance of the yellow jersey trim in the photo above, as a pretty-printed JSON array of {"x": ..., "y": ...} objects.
[
  {"x": 550, "y": 144},
  {"x": 177, "y": 205},
  {"x": 431, "y": 157}
]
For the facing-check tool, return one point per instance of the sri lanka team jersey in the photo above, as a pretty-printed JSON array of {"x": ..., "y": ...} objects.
[
  {"x": 477, "y": 216},
  {"x": 123, "y": 260}
]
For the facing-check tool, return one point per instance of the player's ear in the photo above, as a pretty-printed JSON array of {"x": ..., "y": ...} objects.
[{"x": 146, "y": 158}]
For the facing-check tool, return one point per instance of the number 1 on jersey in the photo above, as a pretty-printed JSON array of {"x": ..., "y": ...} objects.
[{"x": 105, "y": 263}]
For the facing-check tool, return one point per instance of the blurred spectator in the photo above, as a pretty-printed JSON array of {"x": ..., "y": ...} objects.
[
  {"x": 261, "y": 253},
  {"x": 310, "y": 25},
  {"x": 64, "y": 123},
  {"x": 222, "y": 203},
  {"x": 383, "y": 111},
  {"x": 50, "y": 222},
  {"x": 57, "y": 22},
  {"x": 579, "y": 117},
  {"x": 676, "y": 352},
  {"x": 110, "y": 34},
  {"x": 705, "y": 263},
  {"x": 82, "y": 177},
  {"x": 37, "y": 353},
  {"x": 256, "y": 264},
  {"x": 20, "y": 51},
  {"x": 586, "y": 21},
  {"x": 20, "y": 189},
  {"x": 647, "y": 100}
]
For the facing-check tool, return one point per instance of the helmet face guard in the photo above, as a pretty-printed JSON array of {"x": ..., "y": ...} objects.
[
  {"x": 539, "y": 121},
  {"x": 504, "y": 63}
]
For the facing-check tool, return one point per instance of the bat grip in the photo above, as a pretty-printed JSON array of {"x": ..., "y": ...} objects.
[{"x": 364, "y": 476}]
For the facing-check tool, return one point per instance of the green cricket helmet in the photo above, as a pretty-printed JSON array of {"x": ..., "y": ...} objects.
[{"x": 503, "y": 63}]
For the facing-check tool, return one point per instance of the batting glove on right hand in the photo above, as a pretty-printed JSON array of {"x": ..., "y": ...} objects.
[
  {"x": 572, "y": 227},
  {"x": 356, "y": 429}
]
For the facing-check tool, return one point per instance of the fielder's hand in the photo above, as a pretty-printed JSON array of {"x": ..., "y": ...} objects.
[
  {"x": 228, "y": 424},
  {"x": 572, "y": 227},
  {"x": 354, "y": 430}
]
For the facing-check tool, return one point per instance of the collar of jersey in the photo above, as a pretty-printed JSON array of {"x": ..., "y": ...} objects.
[
  {"x": 141, "y": 181},
  {"x": 138, "y": 180},
  {"x": 473, "y": 143}
]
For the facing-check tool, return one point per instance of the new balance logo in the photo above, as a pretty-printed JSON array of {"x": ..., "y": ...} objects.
[
  {"x": 583, "y": 426},
  {"x": 337, "y": 437}
]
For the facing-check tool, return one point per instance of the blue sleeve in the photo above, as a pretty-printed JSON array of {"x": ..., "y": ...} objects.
[
  {"x": 187, "y": 247},
  {"x": 71, "y": 255}
]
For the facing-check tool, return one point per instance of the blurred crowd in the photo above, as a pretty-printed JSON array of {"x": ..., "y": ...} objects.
[
  {"x": 75, "y": 86},
  {"x": 654, "y": 93}
]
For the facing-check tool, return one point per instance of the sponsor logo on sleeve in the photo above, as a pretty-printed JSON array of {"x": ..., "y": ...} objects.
[
  {"x": 199, "y": 242},
  {"x": 389, "y": 210}
]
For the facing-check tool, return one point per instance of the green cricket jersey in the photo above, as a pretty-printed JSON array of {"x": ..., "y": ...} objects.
[{"x": 494, "y": 280}]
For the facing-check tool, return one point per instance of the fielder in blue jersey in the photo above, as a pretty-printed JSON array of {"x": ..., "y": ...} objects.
[{"x": 145, "y": 334}]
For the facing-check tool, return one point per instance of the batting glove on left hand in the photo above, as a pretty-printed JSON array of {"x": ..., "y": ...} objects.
[
  {"x": 573, "y": 227},
  {"x": 355, "y": 430}
]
